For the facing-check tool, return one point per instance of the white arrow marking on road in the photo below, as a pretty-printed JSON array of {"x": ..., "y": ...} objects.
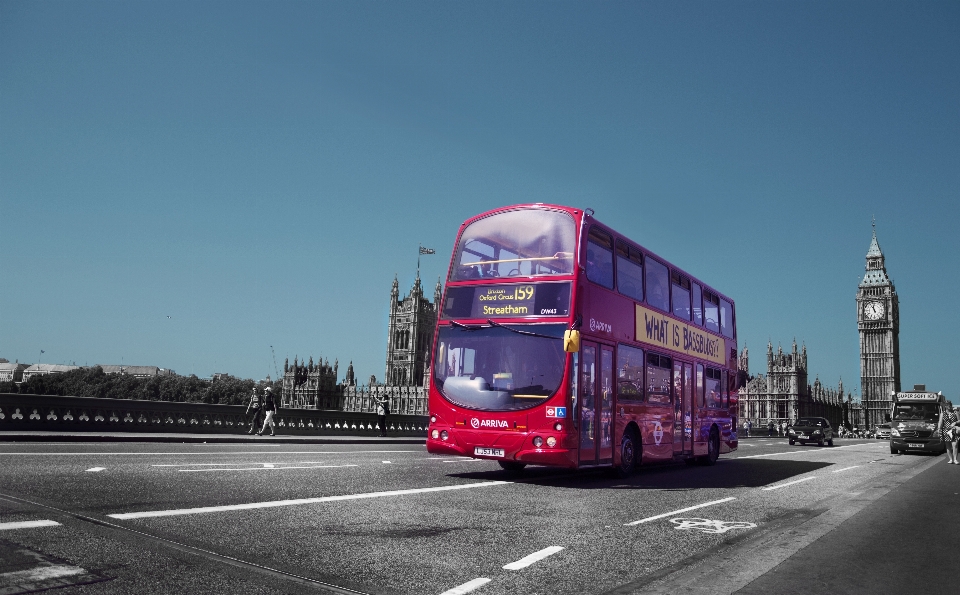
[
  {"x": 534, "y": 557},
  {"x": 27, "y": 525},
  {"x": 276, "y": 503},
  {"x": 666, "y": 514},
  {"x": 783, "y": 485},
  {"x": 467, "y": 587},
  {"x": 95, "y": 469}
]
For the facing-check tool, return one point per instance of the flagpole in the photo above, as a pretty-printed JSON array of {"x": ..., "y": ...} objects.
[{"x": 419, "y": 248}]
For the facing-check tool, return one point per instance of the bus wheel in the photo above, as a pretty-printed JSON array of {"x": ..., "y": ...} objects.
[
  {"x": 511, "y": 465},
  {"x": 713, "y": 449},
  {"x": 629, "y": 451}
]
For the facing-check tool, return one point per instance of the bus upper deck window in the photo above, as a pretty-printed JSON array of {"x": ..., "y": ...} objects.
[
  {"x": 680, "y": 291},
  {"x": 697, "y": 298},
  {"x": 658, "y": 285},
  {"x": 711, "y": 311},
  {"x": 600, "y": 258},
  {"x": 726, "y": 318},
  {"x": 629, "y": 271}
]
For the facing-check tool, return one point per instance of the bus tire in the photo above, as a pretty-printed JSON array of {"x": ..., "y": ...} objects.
[
  {"x": 713, "y": 448},
  {"x": 512, "y": 466},
  {"x": 629, "y": 454}
]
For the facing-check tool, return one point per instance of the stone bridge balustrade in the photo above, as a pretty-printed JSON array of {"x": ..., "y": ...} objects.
[{"x": 77, "y": 414}]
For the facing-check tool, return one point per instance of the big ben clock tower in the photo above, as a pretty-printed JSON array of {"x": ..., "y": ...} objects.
[{"x": 878, "y": 318}]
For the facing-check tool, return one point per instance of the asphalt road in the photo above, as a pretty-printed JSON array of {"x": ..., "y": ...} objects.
[{"x": 292, "y": 518}]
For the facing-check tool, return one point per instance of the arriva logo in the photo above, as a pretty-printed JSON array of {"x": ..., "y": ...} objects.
[
  {"x": 596, "y": 325},
  {"x": 487, "y": 423}
]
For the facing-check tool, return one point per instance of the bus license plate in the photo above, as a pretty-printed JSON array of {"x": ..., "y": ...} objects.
[
  {"x": 487, "y": 452},
  {"x": 914, "y": 445}
]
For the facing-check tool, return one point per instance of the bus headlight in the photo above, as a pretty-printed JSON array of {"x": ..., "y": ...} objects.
[
  {"x": 551, "y": 441},
  {"x": 435, "y": 434},
  {"x": 537, "y": 441},
  {"x": 444, "y": 435}
]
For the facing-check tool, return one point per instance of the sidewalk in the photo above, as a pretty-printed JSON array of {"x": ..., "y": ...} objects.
[{"x": 43, "y": 436}]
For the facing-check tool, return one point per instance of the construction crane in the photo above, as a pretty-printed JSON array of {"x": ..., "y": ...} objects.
[{"x": 276, "y": 370}]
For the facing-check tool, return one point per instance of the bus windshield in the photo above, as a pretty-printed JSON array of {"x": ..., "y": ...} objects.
[
  {"x": 529, "y": 242},
  {"x": 913, "y": 411},
  {"x": 499, "y": 368}
]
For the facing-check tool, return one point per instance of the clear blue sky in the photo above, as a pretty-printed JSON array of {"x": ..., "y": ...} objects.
[{"x": 184, "y": 184}]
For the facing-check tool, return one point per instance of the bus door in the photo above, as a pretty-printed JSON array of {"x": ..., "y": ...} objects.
[
  {"x": 682, "y": 407},
  {"x": 596, "y": 404}
]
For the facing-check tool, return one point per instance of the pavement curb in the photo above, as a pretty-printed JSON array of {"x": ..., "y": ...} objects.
[{"x": 202, "y": 439}]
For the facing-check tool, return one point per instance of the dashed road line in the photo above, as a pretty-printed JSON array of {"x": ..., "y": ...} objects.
[
  {"x": 266, "y": 467},
  {"x": 27, "y": 525},
  {"x": 844, "y": 469},
  {"x": 666, "y": 514},
  {"x": 278, "y": 503},
  {"x": 467, "y": 587},
  {"x": 790, "y": 483},
  {"x": 233, "y": 463},
  {"x": 533, "y": 558},
  {"x": 96, "y": 469}
]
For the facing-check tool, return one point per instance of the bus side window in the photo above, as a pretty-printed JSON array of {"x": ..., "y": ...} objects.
[
  {"x": 658, "y": 285},
  {"x": 726, "y": 318},
  {"x": 711, "y": 311},
  {"x": 697, "y": 304},
  {"x": 713, "y": 388},
  {"x": 680, "y": 291},
  {"x": 600, "y": 258},
  {"x": 700, "y": 385},
  {"x": 659, "y": 370},
  {"x": 629, "y": 271},
  {"x": 629, "y": 373}
]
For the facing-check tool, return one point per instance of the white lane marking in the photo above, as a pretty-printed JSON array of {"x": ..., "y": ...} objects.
[
  {"x": 96, "y": 469},
  {"x": 463, "y": 461},
  {"x": 233, "y": 463},
  {"x": 276, "y": 503},
  {"x": 41, "y": 573},
  {"x": 794, "y": 452},
  {"x": 266, "y": 467},
  {"x": 467, "y": 587},
  {"x": 532, "y": 558},
  {"x": 180, "y": 454},
  {"x": 789, "y": 483},
  {"x": 386, "y": 462},
  {"x": 666, "y": 514},
  {"x": 844, "y": 469},
  {"x": 27, "y": 524}
]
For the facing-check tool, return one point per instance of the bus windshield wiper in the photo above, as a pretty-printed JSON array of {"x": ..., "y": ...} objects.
[
  {"x": 468, "y": 327},
  {"x": 518, "y": 331}
]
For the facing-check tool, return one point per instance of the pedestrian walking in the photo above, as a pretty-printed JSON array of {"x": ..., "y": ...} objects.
[
  {"x": 253, "y": 411},
  {"x": 270, "y": 410},
  {"x": 749, "y": 427},
  {"x": 770, "y": 428},
  {"x": 948, "y": 432},
  {"x": 382, "y": 410}
]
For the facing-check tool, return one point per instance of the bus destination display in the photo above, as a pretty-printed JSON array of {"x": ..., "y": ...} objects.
[{"x": 505, "y": 301}]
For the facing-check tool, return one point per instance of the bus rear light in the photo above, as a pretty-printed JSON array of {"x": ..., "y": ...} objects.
[
  {"x": 551, "y": 441},
  {"x": 537, "y": 441},
  {"x": 435, "y": 434},
  {"x": 444, "y": 435},
  {"x": 558, "y": 427}
]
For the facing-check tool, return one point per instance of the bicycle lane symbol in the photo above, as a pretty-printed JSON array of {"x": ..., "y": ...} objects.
[{"x": 710, "y": 526}]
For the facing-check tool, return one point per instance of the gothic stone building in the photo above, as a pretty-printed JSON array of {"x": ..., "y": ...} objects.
[
  {"x": 878, "y": 319},
  {"x": 409, "y": 341},
  {"x": 783, "y": 395}
]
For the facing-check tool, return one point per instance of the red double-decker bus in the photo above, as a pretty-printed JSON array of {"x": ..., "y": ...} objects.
[{"x": 561, "y": 342}]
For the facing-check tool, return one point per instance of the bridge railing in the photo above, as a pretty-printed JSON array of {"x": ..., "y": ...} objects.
[{"x": 78, "y": 414}]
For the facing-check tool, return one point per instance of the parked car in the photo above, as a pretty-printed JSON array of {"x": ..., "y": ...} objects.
[
  {"x": 811, "y": 429},
  {"x": 883, "y": 432}
]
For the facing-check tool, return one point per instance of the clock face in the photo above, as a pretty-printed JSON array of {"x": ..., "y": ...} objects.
[{"x": 873, "y": 310}]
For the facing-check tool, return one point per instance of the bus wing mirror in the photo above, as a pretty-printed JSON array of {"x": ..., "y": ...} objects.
[{"x": 571, "y": 341}]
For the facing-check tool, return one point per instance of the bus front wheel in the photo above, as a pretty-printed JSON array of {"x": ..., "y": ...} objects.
[{"x": 629, "y": 454}]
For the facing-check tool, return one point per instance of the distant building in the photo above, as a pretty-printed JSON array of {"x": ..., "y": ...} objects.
[
  {"x": 12, "y": 372},
  {"x": 783, "y": 395},
  {"x": 410, "y": 335},
  {"x": 137, "y": 371},
  {"x": 44, "y": 369}
]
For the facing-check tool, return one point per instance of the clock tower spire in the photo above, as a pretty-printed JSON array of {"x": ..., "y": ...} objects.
[{"x": 878, "y": 320}]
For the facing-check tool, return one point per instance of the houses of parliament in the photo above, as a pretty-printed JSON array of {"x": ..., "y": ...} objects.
[{"x": 783, "y": 394}]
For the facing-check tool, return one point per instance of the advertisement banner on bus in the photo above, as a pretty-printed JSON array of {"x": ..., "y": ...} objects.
[{"x": 680, "y": 337}]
